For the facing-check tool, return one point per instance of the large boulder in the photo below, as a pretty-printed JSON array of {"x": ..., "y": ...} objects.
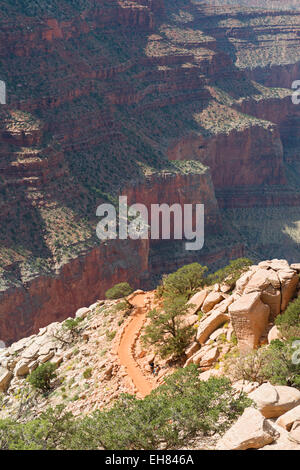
[
  {"x": 31, "y": 352},
  {"x": 46, "y": 357},
  {"x": 210, "y": 324},
  {"x": 289, "y": 280},
  {"x": 249, "y": 316},
  {"x": 197, "y": 356},
  {"x": 5, "y": 378},
  {"x": 242, "y": 282},
  {"x": 283, "y": 442},
  {"x": 209, "y": 357},
  {"x": 273, "y": 401},
  {"x": 46, "y": 348},
  {"x": 267, "y": 282},
  {"x": 205, "y": 357},
  {"x": 190, "y": 320},
  {"x": 287, "y": 276},
  {"x": 261, "y": 279},
  {"x": 272, "y": 298},
  {"x": 275, "y": 264},
  {"x": 211, "y": 300},
  {"x": 296, "y": 267},
  {"x": 274, "y": 279},
  {"x": 251, "y": 431},
  {"x": 20, "y": 345},
  {"x": 287, "y": 420},
  {"x": 216, "y": 334},
  {"x": 22, "y": 368},
  {"x": 196, "y": 301},
  {"x": 82, "y": 312}
]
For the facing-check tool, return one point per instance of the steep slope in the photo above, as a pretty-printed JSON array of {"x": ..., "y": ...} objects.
[{"x": 100, "y": 355}]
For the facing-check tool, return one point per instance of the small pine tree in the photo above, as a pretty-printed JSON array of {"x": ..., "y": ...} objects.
[
  {"x": 184, "y": 282},
  {"x": 118, "y": 291},
  {"x": 230, "y": 273},
  {"x": 167, "y": 330},
  {"x": 42, "y": 376}
]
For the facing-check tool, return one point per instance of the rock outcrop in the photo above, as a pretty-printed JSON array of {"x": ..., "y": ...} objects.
[
  {"x": 276, "y": 281},
  {"x": 257, "y": 429},
  {"x": 260, "y": 294},
  {"x": 210, "y": 324},
  {"x": 249, "y": 317},
  {"x": 264, "y": 291},
  {"x": 289, "y": 418},
  {"x": 251, "y": 431},
  {"x": 274, "y": 401}
]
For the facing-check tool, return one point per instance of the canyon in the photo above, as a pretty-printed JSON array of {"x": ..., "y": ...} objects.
[{"x": 162, "y": 101}]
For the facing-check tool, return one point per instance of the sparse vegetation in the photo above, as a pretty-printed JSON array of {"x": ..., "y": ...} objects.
[
  {"x": 42, "y": 377},
  {"x": 231, "y": 273},
  {"x": 118, "y": 291},
  {"x": 72, "y": 326},
  {"x": 272, "y": 364},
  {"x": 87, "y": 374},
  {"x": 167, "y": 330},
  {"x": 289, "y": 321}
]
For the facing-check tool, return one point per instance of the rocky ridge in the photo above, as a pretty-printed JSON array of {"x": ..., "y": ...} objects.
[{"x": 91, "y": 374}]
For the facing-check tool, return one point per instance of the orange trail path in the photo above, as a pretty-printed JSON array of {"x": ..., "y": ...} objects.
[{"x": 143, "y": 385}]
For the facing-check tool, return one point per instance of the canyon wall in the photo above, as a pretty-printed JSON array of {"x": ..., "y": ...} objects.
[
  {"x": 105, "y": 100},
  {"x": 252, "y": 156},
  {"x": 36, "y": 303},
  {"x": 179, "y": 189}
]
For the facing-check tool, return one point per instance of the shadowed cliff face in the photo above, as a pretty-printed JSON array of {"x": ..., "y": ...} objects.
[
  {"x": 80, "y": 282},
  {"x": 247, "y": 167},
  {"x": 149, "y": 98}
]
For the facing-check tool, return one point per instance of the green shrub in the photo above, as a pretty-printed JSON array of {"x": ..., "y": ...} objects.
[
  {"x": 42, "y": 376},
  {"x": 273, "y": 364},
  {"x": 289, "y": 321},
  {"x": 184, "y": 282},
  {"x": 118, "y": 291},
  {"x": 52, "y": 430},
  {"x": 87, "y": 374},
  {"x": 173, "y": 415},
  {"x": 110, "y": 335},
  {"x": 167, "y": 330},
  {"x": 122, "y": 306},
  {"x": 230, "y": 273},
  {"x": 72, "y": 324}
]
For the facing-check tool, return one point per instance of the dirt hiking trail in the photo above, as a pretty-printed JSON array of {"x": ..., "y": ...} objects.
[{"x": 127, "y": 344}]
